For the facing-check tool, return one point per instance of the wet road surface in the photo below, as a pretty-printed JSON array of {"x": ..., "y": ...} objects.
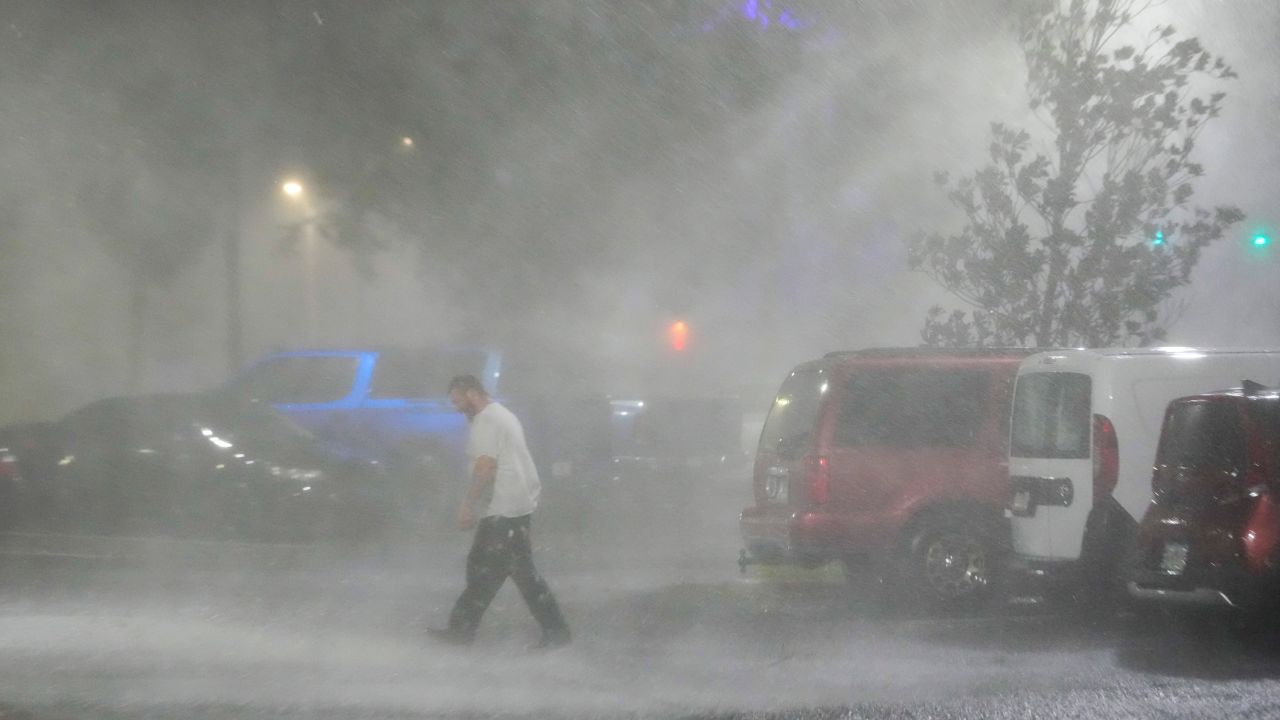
[{"x": 664, "y": 627}]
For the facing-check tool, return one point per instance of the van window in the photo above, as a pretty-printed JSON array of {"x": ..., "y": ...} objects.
[
  {"x": 1051, "y": 416},
  {"x": 1203, "y": 436},
  {"x": 795, "y": 411},
  {"x": 912, "y": 407}
]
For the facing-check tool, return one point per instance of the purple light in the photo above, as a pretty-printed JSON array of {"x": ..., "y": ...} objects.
[{"x": 756, "y": 12}]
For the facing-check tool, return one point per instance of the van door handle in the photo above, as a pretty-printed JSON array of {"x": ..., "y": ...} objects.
[{"x": 1026, "y": 493}]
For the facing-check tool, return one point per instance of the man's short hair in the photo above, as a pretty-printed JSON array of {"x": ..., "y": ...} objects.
[{"x": 463, "y": 383}]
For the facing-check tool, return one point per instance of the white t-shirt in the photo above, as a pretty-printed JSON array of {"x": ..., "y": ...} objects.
[{"x": 496, "y": 433}]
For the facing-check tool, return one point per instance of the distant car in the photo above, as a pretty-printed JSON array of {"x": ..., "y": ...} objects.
[
  {"x": 1211, "y": 535},
  {"x": 891, "y": 460},
  {"x": 391, "y": 405},
  {"x": 664, "y": 435},
  {"x": 192, "y": 465},
  {"x": 10, "y": 485}
]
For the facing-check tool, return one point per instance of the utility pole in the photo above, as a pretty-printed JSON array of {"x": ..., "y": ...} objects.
[
  {"x": 252, "y": 131},
  {"x": 231, "y": 250}
]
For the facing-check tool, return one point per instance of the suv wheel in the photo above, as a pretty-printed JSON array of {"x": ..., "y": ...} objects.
[{"x": 950, "y": 562}]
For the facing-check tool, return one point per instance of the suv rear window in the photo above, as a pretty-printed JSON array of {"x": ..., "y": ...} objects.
[
  {"x": 795, "y": 409},
  {"x": 1203, "y": 436},
  {"x": 1051, "y": 416},
  {"x": 912, "y": 407},
  {"x": 423, "y": 374}
]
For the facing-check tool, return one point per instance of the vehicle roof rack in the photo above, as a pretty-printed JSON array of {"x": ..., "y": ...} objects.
[
  {"x": 926, "y": 350},
  {"x": 1251, "y": 388}
]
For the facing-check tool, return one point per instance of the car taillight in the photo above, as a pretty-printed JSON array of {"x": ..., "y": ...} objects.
[
  {"x": 817, "y": 471},
  {"x": 1106, "y": 458}
]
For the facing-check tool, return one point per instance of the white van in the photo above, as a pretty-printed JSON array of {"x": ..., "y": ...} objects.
[{"x": 1083, "y": 439}]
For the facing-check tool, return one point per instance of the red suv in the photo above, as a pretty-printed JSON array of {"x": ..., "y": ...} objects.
[
  {"x": 890, "y": 460},
  {"x": 1211, "y": 535}
]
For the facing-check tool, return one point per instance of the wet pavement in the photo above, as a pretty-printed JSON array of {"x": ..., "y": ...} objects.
[{"x": 664, "y": 626}]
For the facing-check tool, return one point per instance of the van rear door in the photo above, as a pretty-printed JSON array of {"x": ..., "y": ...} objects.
[{"x": 1051, "y": 463}]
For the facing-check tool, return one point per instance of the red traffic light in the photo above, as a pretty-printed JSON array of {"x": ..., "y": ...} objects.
[{"x": 678, "y": 335}]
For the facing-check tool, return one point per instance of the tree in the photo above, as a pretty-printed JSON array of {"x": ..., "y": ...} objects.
[
  {"x": 1057, "y": 245},
  {"x": 150, "y": 185}
]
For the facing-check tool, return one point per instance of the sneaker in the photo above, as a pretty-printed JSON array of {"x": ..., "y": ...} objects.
[
  {"x": 551, "y": 640},
  {"x": 449, "y": 636}
]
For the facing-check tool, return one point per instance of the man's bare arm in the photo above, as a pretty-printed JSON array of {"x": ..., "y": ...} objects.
[{"x": 480, "y": 490}]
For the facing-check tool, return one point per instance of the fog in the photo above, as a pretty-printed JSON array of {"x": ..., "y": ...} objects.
[
  {"x": 556, "y": 180},
  {"x": 774, "y": 223},
  {"x": 663, "y": 626},
  {"x": 736, "y": 226}
]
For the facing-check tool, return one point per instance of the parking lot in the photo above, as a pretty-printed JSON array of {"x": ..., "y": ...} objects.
[{"x": 665, "y": 626}]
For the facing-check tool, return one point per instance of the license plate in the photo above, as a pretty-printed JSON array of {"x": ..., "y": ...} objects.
[
  {"x": 1021, "y": 502},
  {"x": 561, "y": 469},
  {"x": 775, "y": 487},
  {"x": 1174, "y": 558}
]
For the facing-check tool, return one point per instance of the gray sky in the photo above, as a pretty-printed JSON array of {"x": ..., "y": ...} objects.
[{"x": 848, "y": 143}]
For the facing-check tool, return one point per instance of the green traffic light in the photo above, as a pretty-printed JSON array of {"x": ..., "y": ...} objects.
[
  {"x": 1261, "y": 240},
  {"x": 1159, "y": 239}
]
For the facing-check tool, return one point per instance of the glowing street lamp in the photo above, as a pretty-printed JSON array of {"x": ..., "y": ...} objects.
[
  {"x": 292, "y": 189},
  {"x": 406, "y": 142}
]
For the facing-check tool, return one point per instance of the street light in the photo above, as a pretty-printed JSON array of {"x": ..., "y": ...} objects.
[
  {"x": 296, "y": 192},
  {"x": 406, "y": 142}
]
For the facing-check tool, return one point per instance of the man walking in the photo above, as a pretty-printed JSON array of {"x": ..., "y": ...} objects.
[{"x": 503, "y": 493}]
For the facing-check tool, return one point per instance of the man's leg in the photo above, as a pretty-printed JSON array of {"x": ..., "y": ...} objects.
[
  {"x": 488, "y": 564},
  {"x": 537, "y": 595}
]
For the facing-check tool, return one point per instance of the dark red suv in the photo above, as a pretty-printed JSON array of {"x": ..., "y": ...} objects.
[
  {"x": 893, "y": 461},
  {"x": 1211, "y": 535}
]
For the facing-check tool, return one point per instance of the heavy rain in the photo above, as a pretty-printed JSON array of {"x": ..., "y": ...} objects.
[{"x": 874, "y": 358}]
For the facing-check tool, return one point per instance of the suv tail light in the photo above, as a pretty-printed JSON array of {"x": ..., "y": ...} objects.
[
  {"x": 817, "y": 473},
  {"x": 1106, "y": 458},
  {"x": 8, "y": 465}
]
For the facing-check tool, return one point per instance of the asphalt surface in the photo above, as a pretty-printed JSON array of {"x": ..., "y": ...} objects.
[{"x": 664, "y": 626}]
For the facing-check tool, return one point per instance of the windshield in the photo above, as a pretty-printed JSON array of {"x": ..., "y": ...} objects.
[
  {"x": 1051, "y": 416},
  {"x": 254, "y": 423}
]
